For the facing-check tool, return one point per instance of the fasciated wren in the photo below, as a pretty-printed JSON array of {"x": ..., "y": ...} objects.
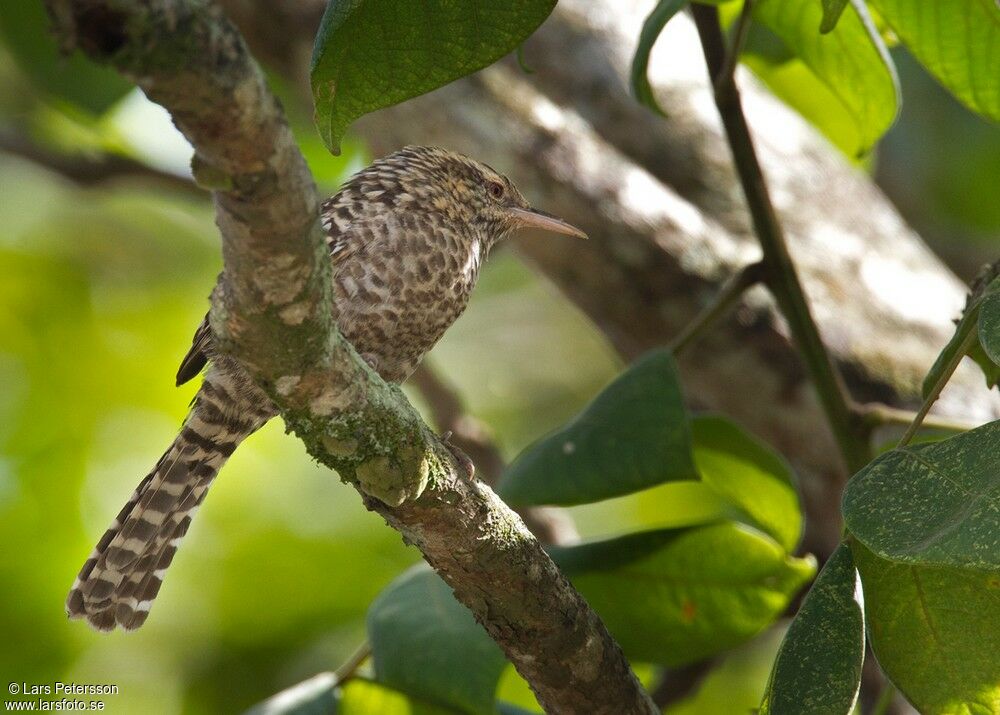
[{"x": 407, "y": 236}]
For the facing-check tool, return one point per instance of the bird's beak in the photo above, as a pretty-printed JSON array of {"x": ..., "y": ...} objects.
[{"x": 534, "y": 218}]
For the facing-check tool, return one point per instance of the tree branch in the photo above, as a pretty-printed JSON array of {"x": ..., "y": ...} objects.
[
  {"x": 90, "y": 170},
  {"x": 550, "y": 525},
  {"x": 272, "y": 310},
  {"x": 729, "y": 294}
]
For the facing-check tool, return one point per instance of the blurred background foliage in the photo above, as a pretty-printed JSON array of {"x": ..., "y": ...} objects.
[{"x": 100, "y": 289}]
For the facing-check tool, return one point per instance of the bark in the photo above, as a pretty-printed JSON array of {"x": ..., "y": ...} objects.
[{"x": 272, "y": 311}]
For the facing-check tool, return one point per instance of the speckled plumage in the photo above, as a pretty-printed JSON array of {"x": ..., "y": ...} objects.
[{"x": 407, "y": 236}]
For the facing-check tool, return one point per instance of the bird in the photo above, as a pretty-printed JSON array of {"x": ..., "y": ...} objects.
[{"x": 406, "y": 237}]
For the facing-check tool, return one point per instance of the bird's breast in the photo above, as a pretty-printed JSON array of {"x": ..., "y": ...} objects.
[{"x": 395, "y": 305}]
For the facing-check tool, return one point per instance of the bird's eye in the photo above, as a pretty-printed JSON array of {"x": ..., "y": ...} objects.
[{"x": 496, "y": 189}]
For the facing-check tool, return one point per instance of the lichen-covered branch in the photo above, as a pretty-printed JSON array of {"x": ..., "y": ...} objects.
[
  {"x": 272, "y": 311},
  {"x": 550, "y": 525}
]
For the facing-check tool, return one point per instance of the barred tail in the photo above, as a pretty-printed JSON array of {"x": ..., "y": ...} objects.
[{"x": 120, "y": 580}]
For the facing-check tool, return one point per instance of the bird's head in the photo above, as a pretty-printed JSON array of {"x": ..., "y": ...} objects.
[{"x": 455, "y": 192}]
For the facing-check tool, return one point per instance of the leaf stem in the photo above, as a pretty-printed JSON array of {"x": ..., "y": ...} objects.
[
  {"x": 730, "y": 292},
  {"x": 935, "y": 391},
  {"x": 782, "y": 278},
  {"x": 728, "y": 69},
  {"x": 350, "y": 667}
]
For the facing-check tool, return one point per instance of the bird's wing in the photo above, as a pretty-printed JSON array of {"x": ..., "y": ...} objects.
[
  {"x": 338, "y": 215},
  {"x": 197, "y": 356}
]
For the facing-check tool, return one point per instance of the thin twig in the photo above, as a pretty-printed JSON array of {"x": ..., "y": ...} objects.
[
  {"x": 730, "y": 292},
  {"x": 783, "y": 279},
  {"x": 88, "y": 170},
  {"x": 740, "y": 33},
  {"x": 876, "y": 414},
  {"x": 935, "y": 392},
  {"x": 350, "y": 667}
]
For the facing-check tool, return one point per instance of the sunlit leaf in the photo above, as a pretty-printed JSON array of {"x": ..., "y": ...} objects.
[
  {"x": 426, "y": 643},
  {"x": 936, "y": 503},
  {"x": 958, "y": 41},
  {"x": 818, "y": 667},
  {"x": 635, "y": 434},
  {"x": 322, "y": 696},
  {"x": 676, "y": 596},
  {"x": 369, "y": 55},
  {"x": 851, "y": 60},
  {"x": 750, "y": 476},
  {"x": 933, "y": 630},
  {"x": 651, "y": 29},
  {"x": 24, "y": 29}
]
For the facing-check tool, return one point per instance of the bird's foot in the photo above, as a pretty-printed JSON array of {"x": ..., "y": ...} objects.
[
  {"x": 371, "y": 359},
  {"x": 463, "y": 460}
]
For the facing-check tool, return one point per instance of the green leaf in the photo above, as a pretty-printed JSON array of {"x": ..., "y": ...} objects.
[
  {"x": 936, "y": 503},
  {"x": 832, "y": 10},
  {"x": 984, "y": 294},
  {"x": 934, "y": 632},
  {"x": 851, "y": 60},
  {"x": 369, "y": 55},
  {"x": 635, "y": 434},
  {"x": 818, "y": 667},
  {"x": 750, "y": 476},
  {"x": 958, "y": 41},
  {"x": 321, "y": 695},
  {"x": 678, "y": 595},
  {"x": 651, "y": 29},
  {"x": 363, "y": 697},
  {"x": 426, "y": 643},
  {"x": 989, "y": 338},
  {"x": 24, "y": 28}
]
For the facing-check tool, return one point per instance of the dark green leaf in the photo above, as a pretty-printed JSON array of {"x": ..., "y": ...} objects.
[
  {"x": 985, "y": 289},
  {"x": 635, "y": 434},
  {"x": 957, "y": 40},
  {"x": 934, "y": 632},
  {"x": 427, "y": 644},
  {"x": 750, "y": 476},
  {"x": 936, "y": 503},
  {"x": 967, "y": 324},
  {"x": 832, "y": 10},
  {"x": 370, "y": 55},
  {"x": 651, "y": 29},
  {"x": 851, "y": 60},
  {"x": 818, "y": 667},
  {"x": 989, "y": 338},
  {"x": 991, "y": 371},
  {"x": 24, "y": 28},
  {"x": 675, "y": 596}
]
